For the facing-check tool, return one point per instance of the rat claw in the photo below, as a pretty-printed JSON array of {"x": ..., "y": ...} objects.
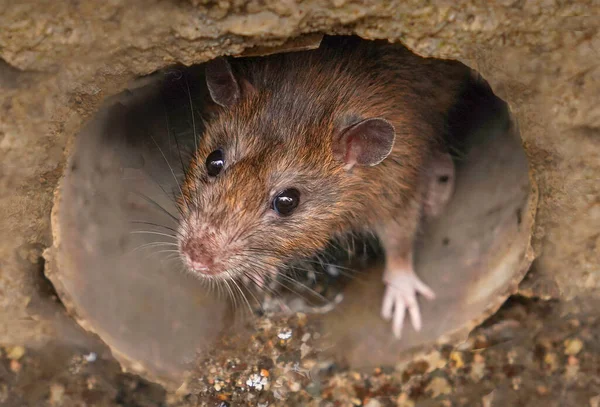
[
  {"x": 400, "y": 294},
  {"x": 415, "y": 316},
  {"x": 399, "y": 318},
  {"x": 388, "y": 304},
  {"x": 424, "y": 290}
]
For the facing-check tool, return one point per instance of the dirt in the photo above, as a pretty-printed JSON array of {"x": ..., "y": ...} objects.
[{"x": 532, "y": 353}]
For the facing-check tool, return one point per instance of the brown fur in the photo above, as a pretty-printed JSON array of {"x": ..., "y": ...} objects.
[{"x": 280, "y": 135}]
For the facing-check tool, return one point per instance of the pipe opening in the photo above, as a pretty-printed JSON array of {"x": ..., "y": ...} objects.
[{"x": 119, "y": 265}]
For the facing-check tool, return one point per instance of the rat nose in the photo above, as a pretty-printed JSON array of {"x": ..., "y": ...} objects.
[{"x": 198, "y": 257}]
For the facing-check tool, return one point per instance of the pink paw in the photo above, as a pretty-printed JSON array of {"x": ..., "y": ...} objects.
[{"x": 401, "y": 293}]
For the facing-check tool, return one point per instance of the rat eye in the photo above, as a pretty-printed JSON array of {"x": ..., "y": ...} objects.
[
  {"x": 286, "y": 201},
  {"x": 215, "y": 162}
]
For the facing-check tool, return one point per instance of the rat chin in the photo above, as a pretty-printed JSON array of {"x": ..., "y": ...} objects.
[{"x": 215, "y": 272}]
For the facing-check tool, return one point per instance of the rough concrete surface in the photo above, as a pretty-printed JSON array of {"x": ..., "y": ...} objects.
[{"x": 59, "y": 60}]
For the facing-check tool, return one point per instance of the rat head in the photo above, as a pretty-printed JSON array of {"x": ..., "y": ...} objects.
[{"x": 272, "y": 178}]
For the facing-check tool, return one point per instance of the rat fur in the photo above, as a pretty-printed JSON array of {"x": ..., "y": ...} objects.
[{"x": 353, "y": 126}]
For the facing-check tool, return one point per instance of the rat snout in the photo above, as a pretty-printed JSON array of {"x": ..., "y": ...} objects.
[{"x": 199, "y": 255}]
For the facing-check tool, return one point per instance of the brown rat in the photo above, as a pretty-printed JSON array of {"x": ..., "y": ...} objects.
[{"x": 307, "y": 146}]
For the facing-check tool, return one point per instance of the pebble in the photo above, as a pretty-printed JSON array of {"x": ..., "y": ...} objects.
[
  {"x": 435, "y": 360},
  {"x": 488, "y": 399},
  {"x": 438, "y": 386},
  {"x": 404, "y": 401},
  {"x": 551, "y": 361},
  {"x": 457, "y": 358},
  {"x": 15, "y": 366},
  {"x": 304, "y": 350},
  {"x": 90, "y": 357},
  {"x": 91, "y": 383},
  {"x": 257, "y": 382},
  {"x": 541, "y": 390},
  {"x": 285, "y": 334},
  {"x": 16, "y": 352},
  {"x": 373, "y": 403},
  {"x": 573, "y": 346},
  {"x": 477, "y": 367},
  {"x": 572, "y": 368},
  {"x": 57, "y": 392}
]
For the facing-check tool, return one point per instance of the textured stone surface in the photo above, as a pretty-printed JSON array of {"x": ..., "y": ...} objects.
[{"x": 60, "y": 59}]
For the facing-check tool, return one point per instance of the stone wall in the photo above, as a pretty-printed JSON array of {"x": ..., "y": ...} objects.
[{"x": 59, "y": 60}]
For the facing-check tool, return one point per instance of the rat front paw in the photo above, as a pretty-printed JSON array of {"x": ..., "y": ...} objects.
[{"x": 401, "y": 293}]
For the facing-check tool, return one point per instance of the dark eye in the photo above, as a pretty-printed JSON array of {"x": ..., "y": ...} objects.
[
  {"x": 286, "y": 201},
  {"x": 214, "y": 163}
]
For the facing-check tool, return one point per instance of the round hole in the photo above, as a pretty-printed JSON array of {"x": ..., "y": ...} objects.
[{"x": 118, "y": 267}]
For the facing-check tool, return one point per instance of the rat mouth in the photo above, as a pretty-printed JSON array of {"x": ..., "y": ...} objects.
[
  {"x": 206, "y": 269},
  {"x": 208, "y": 253},
  {"x": 204, "y": 264}
]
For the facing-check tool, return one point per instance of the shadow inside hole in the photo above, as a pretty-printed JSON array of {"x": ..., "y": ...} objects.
[
  {"x": 118, "y": 219},
  {"x": 121, "y": 269},
  {"x": 472, "y": 256}
]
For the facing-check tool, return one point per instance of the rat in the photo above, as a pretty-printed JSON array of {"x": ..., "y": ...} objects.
[{"x": 305, "y": 146}]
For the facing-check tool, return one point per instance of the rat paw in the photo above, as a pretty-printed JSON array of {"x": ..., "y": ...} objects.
[{"x": 401, "y": 293}]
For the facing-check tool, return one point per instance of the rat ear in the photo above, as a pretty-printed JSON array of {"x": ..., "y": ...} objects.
[
  {"x": 367, "y": 142},
  {"x": 222, "y": 85}
]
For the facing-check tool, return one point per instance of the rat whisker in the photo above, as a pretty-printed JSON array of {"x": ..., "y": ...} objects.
[
  {"x": 231, "y": 295},
  {"x": 297, "y": 283},
  {"x": 242, "y": 294},
  {"x": 263, "y": 288},
  {"x": 212, "y": 288},
  {"x": 168, "y": 259},
  {"x": 258, "y": 267},
  {"x": 250, "y": 291},
  {"x": 170, "y": 197},
  {"x": 146, "y": 246},
  {"x": 220, "y": 288},
  {"x": 192, "y": 112},
  {"x": 153, "y": 256},
  {"x": 168, "y": 164},
  {"x": 348, "y": 271},
  {"x": 156, "y": 204},
  {"x": 294, "y": 291},
  {"x": 266, "y": 290},
  {"x": 151, "y": 232},
  {"x": 168, "y": 251},
  {"x": 174, "y": 137},
  {"x": 153, "y": 244},
  {"x": 154, "y": 224}
]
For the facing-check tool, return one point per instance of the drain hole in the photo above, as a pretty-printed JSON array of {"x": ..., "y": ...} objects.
[{"x": 119, "y": 226}]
